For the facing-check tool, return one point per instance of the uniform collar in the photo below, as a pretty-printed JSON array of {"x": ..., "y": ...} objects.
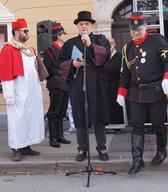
[
  {"x": 56, "y": 45},
  {"x": 139, "y": 41}
]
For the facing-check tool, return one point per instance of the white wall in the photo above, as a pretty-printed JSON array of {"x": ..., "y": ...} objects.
[{"x": 102, "y": 11}]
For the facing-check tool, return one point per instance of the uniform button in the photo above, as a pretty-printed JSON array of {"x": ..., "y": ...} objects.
[
  {"x": 138, "y": 78},
  {"x": 137, "y": 46},
  {"x": 137, "y": 67},
  {"x": 136, "y": 57}
]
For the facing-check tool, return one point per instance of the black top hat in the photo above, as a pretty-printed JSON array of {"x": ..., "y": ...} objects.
[
  {"x": 137, "y": 21},
  {"x": 57, "y": 29},
  {"x": 84, "y": 16}
]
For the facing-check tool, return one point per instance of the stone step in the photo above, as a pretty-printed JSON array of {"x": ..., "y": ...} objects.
[{"x": 63, "y": 166}]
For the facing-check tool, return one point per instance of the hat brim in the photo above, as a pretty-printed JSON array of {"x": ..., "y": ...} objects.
[
  {"x": 136, "y": 28},
  {"x": 60, "y": 33},
  {"x": 76, "y": 21}
]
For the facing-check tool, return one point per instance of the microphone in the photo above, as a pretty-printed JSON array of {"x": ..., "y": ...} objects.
[{"x": 83, "y": 40}]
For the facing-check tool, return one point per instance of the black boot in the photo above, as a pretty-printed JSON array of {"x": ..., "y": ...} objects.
[
  {"x": 61, "y": 138},
  {"x": 53, "y": 133},
  {"x": 137, "y": 153},
  {"x": 161, "y": 153}
]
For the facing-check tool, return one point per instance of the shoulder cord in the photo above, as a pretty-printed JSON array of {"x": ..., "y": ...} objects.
[
  {"x": 126, "y": 58},
  {"x": 51, "y": 56}
]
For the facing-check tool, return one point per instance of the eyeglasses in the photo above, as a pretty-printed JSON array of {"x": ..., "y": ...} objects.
[{"x": 24, "y": 31}]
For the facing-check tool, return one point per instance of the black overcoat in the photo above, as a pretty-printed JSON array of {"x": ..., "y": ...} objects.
[
  {"x": 113, "y": 68},
  {"x": 96, "y": 83}
]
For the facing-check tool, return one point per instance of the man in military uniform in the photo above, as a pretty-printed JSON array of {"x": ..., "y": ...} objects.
[
  {"x": 144, "y": 82},
  {"x": 57, "y": 86}
]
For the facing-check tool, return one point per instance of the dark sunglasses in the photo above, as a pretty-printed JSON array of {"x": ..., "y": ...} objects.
[{"x": 24, "y": 31}]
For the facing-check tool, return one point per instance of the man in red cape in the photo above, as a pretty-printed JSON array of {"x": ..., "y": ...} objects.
[{"x": 22, "y": 92}]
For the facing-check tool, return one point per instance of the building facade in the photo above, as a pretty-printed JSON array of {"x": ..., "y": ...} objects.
[{"x": 111, "y": 19}]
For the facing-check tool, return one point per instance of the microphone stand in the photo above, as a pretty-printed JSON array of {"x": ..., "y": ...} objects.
[
  {"x": 89, "y": 166},
  {"x": 89, "y": 169}
]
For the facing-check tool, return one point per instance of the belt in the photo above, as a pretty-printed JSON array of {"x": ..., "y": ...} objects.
[{"x": 149, "y": 84}]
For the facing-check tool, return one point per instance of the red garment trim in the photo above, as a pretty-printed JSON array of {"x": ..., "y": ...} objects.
[
  {"x": 122, "y": 91},
  {"x": 165, "y": 75},
  {"x": 57, "y": 27},
  {"x": 56, "y": 45},
  {"x": 11, "y": 63},
  {"x": 139, "y": 41},
  {"x": 137, "y": 17}
]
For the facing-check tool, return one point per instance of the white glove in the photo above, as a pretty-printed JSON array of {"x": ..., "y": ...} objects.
[
  {"x": 10, "y": 101},
  {"x": 121, "y": 100},
  {"x": 165, "y": 86}
]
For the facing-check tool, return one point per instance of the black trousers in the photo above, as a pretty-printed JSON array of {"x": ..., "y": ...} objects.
[
  {"x": 156, "y": 112},
  {"x": 99, "y": 134},
  {"x": 58, "y": 104}
]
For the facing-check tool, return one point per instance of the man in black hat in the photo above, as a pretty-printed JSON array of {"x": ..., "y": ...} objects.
[
  {"x": 97, "y": 53},
  {"x": 144, "y": 82},
  {"x": 57, "y": 86}
]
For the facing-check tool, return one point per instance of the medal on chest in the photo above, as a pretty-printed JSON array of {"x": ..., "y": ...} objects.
[
  {"x": 143, "y": 60},
  {"x": 143, "y": 55}
]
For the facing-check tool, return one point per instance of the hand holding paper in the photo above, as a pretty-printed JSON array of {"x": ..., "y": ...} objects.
[{"x": 78, "y": 63}]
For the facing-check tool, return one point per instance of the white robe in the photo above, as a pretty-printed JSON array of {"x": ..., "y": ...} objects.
[{"x": 25, "y": 116}]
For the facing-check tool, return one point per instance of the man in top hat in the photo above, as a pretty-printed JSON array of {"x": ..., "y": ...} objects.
[
  {"x": 22, "y": 92},
  {"x": 144, "y": 82},
  {"x": 57, "y": 86},
  {"x": 97, "y": 53}
]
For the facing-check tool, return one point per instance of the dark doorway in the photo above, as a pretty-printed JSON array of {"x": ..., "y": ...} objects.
[
  {"x": 166, "y": 28},
  {"x": 121, "y": 34},
  {"x": 3, "y": 35},
  {"x": 3, "y": 39}
]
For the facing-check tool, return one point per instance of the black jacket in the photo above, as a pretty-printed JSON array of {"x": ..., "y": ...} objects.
[
  {"x": 55, "y": 80},
  {"x": 144, "y": 66}
]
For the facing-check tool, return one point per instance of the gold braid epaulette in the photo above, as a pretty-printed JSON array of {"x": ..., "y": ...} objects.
[
  {"x": 29, "y": 51},
  {"x": 124, "y": 52}
]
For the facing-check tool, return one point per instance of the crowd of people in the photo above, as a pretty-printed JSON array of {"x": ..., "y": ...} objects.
[{"x": 93, "y": 80}]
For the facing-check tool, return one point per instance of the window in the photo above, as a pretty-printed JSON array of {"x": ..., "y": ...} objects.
[
  {"x": 125, "y": 8},
  {"x": 123, "y": 11}
]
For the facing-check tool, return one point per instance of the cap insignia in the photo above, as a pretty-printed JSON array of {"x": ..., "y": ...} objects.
[{"x": 135, "y": 22}]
